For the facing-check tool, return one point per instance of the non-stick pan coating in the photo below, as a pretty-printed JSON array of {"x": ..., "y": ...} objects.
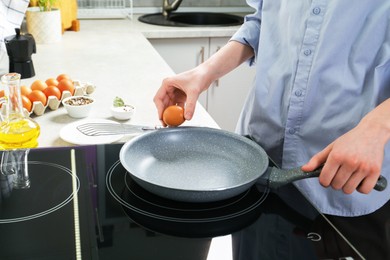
[{"x": 194, "y": 164}]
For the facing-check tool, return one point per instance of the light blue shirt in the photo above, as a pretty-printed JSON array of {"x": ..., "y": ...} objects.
[{"x": 321, "y": 66}]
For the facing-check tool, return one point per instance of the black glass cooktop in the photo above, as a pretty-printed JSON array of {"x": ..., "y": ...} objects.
[{"x": 90, "y": 208}]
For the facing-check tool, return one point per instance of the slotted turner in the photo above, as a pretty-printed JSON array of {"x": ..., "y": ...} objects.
[{"x": 100, "y": 129}]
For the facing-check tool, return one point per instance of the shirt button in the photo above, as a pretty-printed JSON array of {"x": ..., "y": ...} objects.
[
  {"x": 298, "y": 93},
  {"x": 307, "y": 52},
  {"x": 291, "y": 131},
  {"x": 316, "y": 10}
]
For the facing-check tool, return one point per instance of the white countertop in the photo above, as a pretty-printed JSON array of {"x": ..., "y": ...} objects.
[{"x": 115, "y": 56}]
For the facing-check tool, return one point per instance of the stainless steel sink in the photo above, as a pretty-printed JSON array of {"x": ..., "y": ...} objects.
[{"x": 192, "y": 19}]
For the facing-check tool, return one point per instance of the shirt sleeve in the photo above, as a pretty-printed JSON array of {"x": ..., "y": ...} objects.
[
  {"x": 249, "y": 32},
  {"x": 14, "y": 13},
  {"x": 11, "y": 16}
]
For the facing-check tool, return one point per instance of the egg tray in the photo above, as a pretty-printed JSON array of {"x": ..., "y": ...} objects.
[{"x": 81, "y": 89}]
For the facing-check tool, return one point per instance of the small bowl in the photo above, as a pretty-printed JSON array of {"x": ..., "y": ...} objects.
[
  {"x": 78, "y": 106},
  {"x": 123, "y": 113}
]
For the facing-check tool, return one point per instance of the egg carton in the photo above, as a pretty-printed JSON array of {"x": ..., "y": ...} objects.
[{"x": 53, "y": 103}]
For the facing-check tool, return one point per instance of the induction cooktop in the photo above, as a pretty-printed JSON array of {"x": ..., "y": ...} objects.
[{"x": 82, "y": 204}]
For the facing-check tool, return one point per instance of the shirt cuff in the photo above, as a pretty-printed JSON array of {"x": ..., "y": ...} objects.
[{"x": 249, "y": 34}]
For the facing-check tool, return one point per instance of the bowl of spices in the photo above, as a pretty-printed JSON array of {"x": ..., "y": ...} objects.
[
  {"x": 78, "y": 106},
  {"x": 122, "y": 111}
]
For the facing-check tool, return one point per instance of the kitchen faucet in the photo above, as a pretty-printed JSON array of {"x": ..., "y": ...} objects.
[{"x": 169, "y": 7}]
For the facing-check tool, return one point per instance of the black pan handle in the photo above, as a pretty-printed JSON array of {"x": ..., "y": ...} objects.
[
  {"x": 381, "y": 184},
  {"x": 275, "y": 177}
]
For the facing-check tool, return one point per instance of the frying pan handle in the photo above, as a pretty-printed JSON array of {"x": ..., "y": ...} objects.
[
  {"x": 381, "y": 184},
  {"x": 278, "y": 177}
]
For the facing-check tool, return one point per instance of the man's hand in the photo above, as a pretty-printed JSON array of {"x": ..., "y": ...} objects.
[
  {"x": 354, "y": 160},
  {"x": 182, "y": 89}
]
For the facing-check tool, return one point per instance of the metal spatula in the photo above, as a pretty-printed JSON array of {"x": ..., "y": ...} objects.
[{"x": 99, "y": 129}]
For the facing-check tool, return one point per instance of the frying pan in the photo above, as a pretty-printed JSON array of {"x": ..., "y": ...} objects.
[{"x": 200, "y": 164}]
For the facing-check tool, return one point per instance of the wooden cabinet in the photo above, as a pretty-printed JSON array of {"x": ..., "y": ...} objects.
[{"x": 226, "y": 96}]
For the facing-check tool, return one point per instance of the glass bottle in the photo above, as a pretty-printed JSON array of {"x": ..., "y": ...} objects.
[
  {"x": 17, "y": 130},
  {"x": 14, "y": 166}
]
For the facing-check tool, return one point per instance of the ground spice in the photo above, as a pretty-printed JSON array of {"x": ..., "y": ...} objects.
[{"x": 78, "y": 101}]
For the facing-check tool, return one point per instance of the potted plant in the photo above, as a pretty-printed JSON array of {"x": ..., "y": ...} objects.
[
  {"x": 45, "y": 5},
  {"x": 43, "y": 21},
  {"x": 68, "y": 9}
]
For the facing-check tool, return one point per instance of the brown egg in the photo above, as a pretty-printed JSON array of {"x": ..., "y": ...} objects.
[
  {"x": 38, "y": 85},
  {"x": 37, "y": 95},
  {"x": 67, "y": 85},
  {"x": 52, "y": 91},
  {"x": 25, "y": 90},
  {"x": 51, "y": 82},
  {"x": 27, "y": 104},
  {"x": 63, "y": 76},
  {"x": 173, "y": 116}
]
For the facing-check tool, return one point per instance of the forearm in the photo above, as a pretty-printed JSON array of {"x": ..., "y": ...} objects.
[
  {"x": 225, "y": 60},
  {"x": 378, "y": 120}
]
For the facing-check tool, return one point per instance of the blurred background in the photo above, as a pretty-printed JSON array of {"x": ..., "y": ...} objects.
[{"x": 185, "y": 3}]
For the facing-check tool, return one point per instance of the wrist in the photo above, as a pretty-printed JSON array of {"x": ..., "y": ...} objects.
[
  {"x": 378, "y": 120},
  {"x": 205, "y": 73}
]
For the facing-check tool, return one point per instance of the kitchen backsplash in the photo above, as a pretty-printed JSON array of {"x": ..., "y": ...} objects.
[{"x": 192, "y": 3}]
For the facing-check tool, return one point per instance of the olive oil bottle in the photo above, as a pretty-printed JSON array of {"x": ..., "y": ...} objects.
[{"x": 17, "y": 130}]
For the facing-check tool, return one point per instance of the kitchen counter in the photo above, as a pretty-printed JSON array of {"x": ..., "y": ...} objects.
[
  {"x": 154, "y": 31},
  {"x": 116, "y": 57}
]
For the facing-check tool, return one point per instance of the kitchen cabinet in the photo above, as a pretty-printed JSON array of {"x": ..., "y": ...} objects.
[{"x": 226, "y": 96}]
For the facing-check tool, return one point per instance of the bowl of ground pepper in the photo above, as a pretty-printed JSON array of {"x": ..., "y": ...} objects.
[{"x": 78, "y": 106}]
